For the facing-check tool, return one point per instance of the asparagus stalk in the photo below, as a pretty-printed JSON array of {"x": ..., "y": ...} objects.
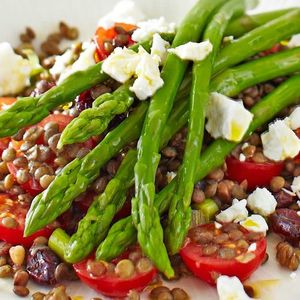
[
  {"x": 94, "y": 121},
  {"x": 123, "y": 233},
  {"x": 180, "y": 212},
  {"x": 145, "y": 214},
  {"x": 64, "y": 184},
  {"x": 244, "y": 24},
  {"x": 259, "y": 39},
  {"x": 78, "y": 174},
  {"x": 30, "y": 110},
  {"x": 94, "y": 226}
]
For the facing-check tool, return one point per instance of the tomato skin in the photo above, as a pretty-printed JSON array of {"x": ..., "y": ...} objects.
[
  {"x": 14, "y": 236},
  {"x": 113, "y": 286},
  {"x": 60, "y": 119},
  {"x": 256, "y": 174},
  {"x": 206, "y": 267}
]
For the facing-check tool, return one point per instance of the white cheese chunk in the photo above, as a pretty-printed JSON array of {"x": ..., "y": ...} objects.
[
  {"x": 14, "y": 71},
  {"x": 148, "y": 28},
  {"x": 159, "y": 47},
  {"x": 125, "y": 11},
  {"x": 231, "y": 288},
  {"x": 121, "y": 64},
  {"x": 294, "y": 41},
  {"x": 62, "y": 62},
  {"x": 193, "y": 51},
  {"x": 255, "y": 223},
  {"x": 227, "y": 118},
  {"x": 148, "y": 75},
  {"x": 294, "y": 119},
  {"x": 261, "y": 201},
  {"x": 236, "y": 212},
  {"x": 296, "y": 186},
  {"x": 84, "y": 61},
  {"x": 280, "y": 142}
]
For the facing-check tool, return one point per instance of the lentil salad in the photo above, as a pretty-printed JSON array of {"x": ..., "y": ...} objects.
[{"x": 32, "y": 160}]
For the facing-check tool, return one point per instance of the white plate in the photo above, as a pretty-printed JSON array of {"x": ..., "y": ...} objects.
[{"x": 275, "y": 283}]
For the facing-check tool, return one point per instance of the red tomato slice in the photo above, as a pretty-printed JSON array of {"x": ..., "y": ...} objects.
[
  {"x": 60, "y": 119},
  {"x": 5, "y": 102},
  {"x": 111, "y": 285},
  {"x": 14, "y": 236},
  {"x": 208, "y": 267},
  {"x": 103, "y": 35},
  {"x": 256, "y": 174}
]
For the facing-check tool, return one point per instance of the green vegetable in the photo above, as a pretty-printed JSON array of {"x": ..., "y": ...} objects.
[
  {"x": 208, "y": 209},
  {"x": 145, "y": 215},
  {"x": 180, "y": 212},
  {"x": 259, "y": 39},
  {"x": 29, "y": 110},
  {"x": 244, "y": 24},
  {"x": 59, "y": 241},
  {"x": 122, "y": 234},
  {"x": 78, "y": 174},
  {"x": 232, "y": 81},
  {"x": 93, "y": 227},
  {"x": 94, "y": 121}
]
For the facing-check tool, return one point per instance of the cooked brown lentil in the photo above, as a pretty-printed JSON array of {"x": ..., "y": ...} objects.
[
  {"x": 125, "y": 268},
  {"x": 21, "y": 291},
  {"x": 286, "y": 256},
  {"x": 21, "y": 278},
  {"x": 96, "y": 268}
]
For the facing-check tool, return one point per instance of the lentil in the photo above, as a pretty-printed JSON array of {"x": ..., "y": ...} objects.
[
  {"x": 6, "y": 271},
  {"x": 258, "y": 157},
  {"x": 227, "y": 253},
  {"x": 46, "y": 180},
  {"x": 32, "y": 134},
  {"x": 22, "y": 176},
  {"x": 9, "y": 222},
  {"x": 53, "y": 141},
  {"x": 21, "y": 162},
  {"x": 26, "y": 146},
  {"x": 198, "y": 196},
  {"x": 9, "y": 181},
  {"x": 19, "y": 135},
  {"x": 144, "y": 265},
  {"x": 287, "y": 256},
  {"x": 96, "y": 268},
  {"x": 8, "y": 154},
  {"x": 179, "y": 294},
  {"x": 277, "y": 183},
  {"x": 158, "y": 290},
  {"x": 21, "y": 291},
  {"x": 17, "y": 254},
  {"x": 38, "y": 296},
  {"x": 2, "y": 261},
  {"x": 216, "y": 175},
  {"x": 64, "y": 272},
  {"x": 124, "y": 268},
  {"x": 3, "y": 168},
  {"x": 21, "y": 278}
]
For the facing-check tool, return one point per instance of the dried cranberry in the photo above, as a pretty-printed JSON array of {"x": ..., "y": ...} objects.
[
  {"x": 41, "y": 264},
  {"x": 4, "y": 248},
  {"x": 283, "y": 199},
  {"x": 84, "y": 101},
  {"x": 286, "y": 222}
]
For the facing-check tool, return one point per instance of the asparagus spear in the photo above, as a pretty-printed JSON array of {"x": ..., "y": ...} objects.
[
  {"x": 78, "y": 174},
  {"x": 145, "y": 215},
  {"x": 30, "y": 110},
  {"x": 244, "y": 24},
  {"x": 94, "y": 121},
  {"x": 259, "y": 39},
  {"x": 123, "y": 233},
  {"x": 58, "y": 191},
  {"x": 180, "y": 212},
  {"x": 93, "y": 227}
]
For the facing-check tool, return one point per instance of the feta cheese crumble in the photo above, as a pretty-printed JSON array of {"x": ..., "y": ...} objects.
[
  {"x": 148, "y": 75},
  {"x": 84, "y": 61},
  {"x": 62, "y": 62},
  {"x": 294, "y": 41},
  {"x": 227, "y": 118},
  {"x": 261, "y": 201},
  {"x": 14, "y": 71},
  {"x": 148, "y": 28},
  {"x": 159, "y": 48},
  {"x": 231, "y": 288},
  {"x": 255, "y": 223},
  {"x": 236, "y": 212},
  {"x": 121, "y": 64},
  {"x": 280, "y": 142},
  {"x": 125, "y": 11},
  {"x": 293, "y": 121},
  {"x": 193, "y": 51},
  {"x": 296, "y": 186}
]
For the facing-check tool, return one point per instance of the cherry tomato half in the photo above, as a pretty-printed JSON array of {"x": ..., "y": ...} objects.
[
  {"x": 110, "y": 284},
  {"x": 256, "y": 174},
  {"x": 208, "y": 266},
  {"x": 17, "y": 211},
  {"x": 5, "y": 102}
]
